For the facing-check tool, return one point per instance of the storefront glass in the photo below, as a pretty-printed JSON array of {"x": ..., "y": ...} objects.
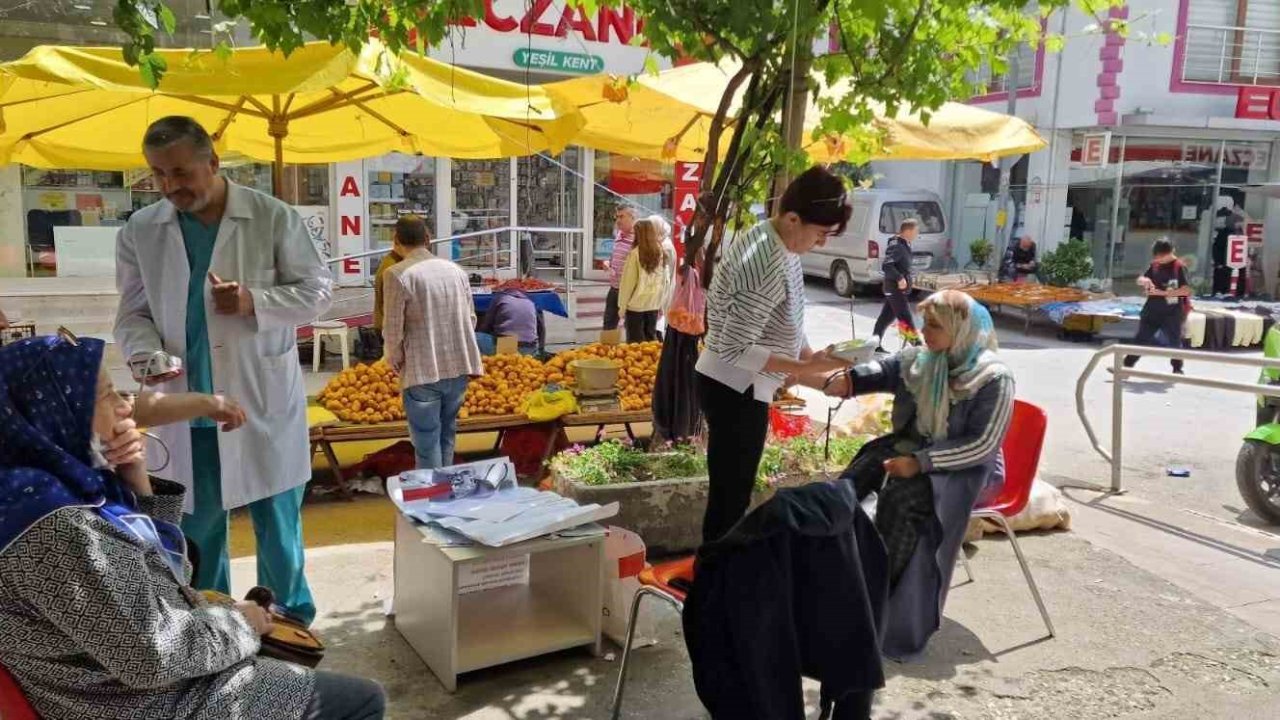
[
  {"x": 1167, "y": 190},
  {"x": 619, "y": 180},
  {"x": 550, "y": 195},
  {"x": 481, "y": 201},
  {"x": 1180, "y": 188},
  {"x": 81, "y": 210},
  {"x": 399, "y": 185}
]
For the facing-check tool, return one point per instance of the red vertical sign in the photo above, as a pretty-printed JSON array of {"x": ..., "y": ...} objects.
[{"x": 685, "y": 201}]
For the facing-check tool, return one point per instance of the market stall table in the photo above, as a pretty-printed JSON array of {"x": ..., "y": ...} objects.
[
  {"x": 543, "y": 300},
  {"x": 1025, "y": 297},
  {"x": 325, "y": 435},
  {"x": 467, "y": 608}
]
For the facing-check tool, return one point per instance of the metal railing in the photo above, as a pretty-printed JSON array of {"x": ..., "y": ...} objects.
[
  {"x": 1221, "y": 55},
  {"x": 1121, "y": 373},
  {"x": 496, "y": 249}
]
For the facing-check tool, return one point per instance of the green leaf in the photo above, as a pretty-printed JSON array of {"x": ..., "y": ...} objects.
[
  {"x": 1054, "y": 43},
  {"x": 223, "y": 51},
  {"x": 148, "y": 71},
  {"x": 167, "y": 19},
  {"x": 651, "y": 64},
  {"x": 1163, "y": 38}
]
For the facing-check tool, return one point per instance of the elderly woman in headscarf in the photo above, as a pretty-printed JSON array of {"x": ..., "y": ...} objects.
[
  {"x": 953, "y": 400},
  {"x": 97, "y": 616}
]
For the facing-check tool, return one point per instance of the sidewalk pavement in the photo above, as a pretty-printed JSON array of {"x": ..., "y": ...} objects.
[{"x": 1129, "y": 645}]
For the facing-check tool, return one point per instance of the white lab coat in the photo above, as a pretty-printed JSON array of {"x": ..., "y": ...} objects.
[{"x": 262, "y": 244}]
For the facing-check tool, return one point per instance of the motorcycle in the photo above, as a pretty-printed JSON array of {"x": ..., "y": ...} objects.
[{"x": 1258, "y": 464}]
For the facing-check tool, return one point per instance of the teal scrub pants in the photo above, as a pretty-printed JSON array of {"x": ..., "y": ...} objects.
[{"x": 277, "y": 527}]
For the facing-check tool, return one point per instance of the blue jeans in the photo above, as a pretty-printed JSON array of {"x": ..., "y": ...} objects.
[
  {"x": 432, "y": 411},
  {"x": 345, "y": 697}
]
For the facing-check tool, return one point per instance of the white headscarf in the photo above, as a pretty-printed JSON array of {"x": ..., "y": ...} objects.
[{"x": 938, "y": 380}]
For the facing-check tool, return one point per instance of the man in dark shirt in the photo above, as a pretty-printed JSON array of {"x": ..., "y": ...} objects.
[
  {"x": 513, "y": 313},
  {"x": 897, "y": 278},
  {"x": 1020, "y": 262},
  {"x": 1168, "y": 299}
]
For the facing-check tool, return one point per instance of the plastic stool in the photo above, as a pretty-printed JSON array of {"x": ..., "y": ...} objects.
[{"x": 330, "y": 328}]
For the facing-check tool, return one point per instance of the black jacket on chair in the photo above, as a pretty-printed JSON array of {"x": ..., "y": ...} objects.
[{"x": 797, "y": 588}]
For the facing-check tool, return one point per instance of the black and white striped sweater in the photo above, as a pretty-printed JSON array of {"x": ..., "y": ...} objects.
[{"x": 755, "y": 308}]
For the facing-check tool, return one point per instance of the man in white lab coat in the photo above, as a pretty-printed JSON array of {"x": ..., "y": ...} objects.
[{"x": 219, "y": 276}]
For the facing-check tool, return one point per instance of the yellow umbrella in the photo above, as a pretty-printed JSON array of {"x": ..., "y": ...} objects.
[
  {"x": 668, "y": 116},
  {"x": 68, "y": 107}
]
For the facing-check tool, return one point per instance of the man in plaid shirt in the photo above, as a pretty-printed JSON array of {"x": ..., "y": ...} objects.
[{"x": 429, "y": 326}]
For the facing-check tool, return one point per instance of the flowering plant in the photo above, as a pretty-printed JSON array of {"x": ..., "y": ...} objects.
[{"x": 909, "y": 333}]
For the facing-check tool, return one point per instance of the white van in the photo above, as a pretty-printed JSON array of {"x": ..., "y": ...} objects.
[{"x": 852, "y": 260}]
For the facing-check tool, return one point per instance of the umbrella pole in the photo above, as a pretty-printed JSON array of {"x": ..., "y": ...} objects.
[{"x": 277, "y": 169}]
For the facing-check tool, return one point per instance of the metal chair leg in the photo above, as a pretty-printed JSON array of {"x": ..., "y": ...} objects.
[
  {"x": 964, "y": 560},
  {"x": 1026, "y": 570},
  {"x": 631, "y": 633}
]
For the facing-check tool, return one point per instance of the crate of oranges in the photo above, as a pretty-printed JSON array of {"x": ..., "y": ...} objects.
[
  {"x": 365, "y": 394},
  {"x": 507, "y": 379},
  {"x": 639, "y": 363}
]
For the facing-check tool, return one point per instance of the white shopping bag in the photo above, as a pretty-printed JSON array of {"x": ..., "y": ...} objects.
[{"x": 623, "y": 561}]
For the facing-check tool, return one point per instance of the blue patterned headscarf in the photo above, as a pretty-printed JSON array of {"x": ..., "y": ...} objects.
[
  {"x": 940, "y": 379},
  {"x": 48, "y": 388}
]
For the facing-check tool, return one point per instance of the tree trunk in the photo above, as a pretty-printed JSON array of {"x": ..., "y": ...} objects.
[{"x": 793, "y": 113}]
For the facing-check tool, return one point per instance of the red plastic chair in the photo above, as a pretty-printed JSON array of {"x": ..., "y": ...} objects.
[
  {"x": 655, "y": 581},
  {"x": 13, "y": 703},
  {"x": 1022, "y": 446}
]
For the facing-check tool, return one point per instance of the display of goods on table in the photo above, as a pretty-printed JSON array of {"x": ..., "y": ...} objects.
[
  {"x": 364, "y": 394},
  {"x": 507, "y": 379},
  {"x": 639, "y": 369},
  {"x": 1024, "y": 294},
  {"x": 371, "y": 393},
  {"x": 525, "y": 284}
]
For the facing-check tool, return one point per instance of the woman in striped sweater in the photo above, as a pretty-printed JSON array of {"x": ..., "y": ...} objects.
[
  {"x": 755, "y": 339},
  {"x": 952, "y": 403}
]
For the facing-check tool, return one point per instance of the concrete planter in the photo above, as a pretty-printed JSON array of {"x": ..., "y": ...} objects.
[{"x": 667, "y": 514}]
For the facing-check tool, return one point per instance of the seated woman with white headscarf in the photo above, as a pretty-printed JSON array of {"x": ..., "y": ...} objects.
[{"x": 953, "y": 400}]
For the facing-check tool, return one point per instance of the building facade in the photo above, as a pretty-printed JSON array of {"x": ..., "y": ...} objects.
[
  {"x": 57, "y": 224},
  {"x": 1144, "y": 140}
]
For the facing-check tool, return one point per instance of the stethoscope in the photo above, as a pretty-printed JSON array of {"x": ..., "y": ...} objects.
[{"x": 148, "y": 370}]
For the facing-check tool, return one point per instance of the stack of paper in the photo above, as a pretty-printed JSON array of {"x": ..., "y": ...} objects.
[{"x": 508, "y": 516}]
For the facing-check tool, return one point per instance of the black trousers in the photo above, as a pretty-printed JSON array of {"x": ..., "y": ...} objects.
[
  {"x": 642, "y": 326},
  {"x": 903, "y": 505},
  {"x": 896, "y": 306},
  {"x": 737, "y": 425},
  {"x": 1163, "y": 330},
  {"x": 611, "y": 310}
]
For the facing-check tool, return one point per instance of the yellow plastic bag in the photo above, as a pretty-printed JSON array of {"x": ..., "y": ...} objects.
[{"x": 543, "y": 406}]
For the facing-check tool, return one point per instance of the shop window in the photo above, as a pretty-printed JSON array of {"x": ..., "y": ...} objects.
[
  {"x": 928, "y": 212},
  {"x": 619, "y": 180},
  {"x": 549, "y": 191},
  {"x": 306, "y": 185},
  {"x": 482, "y": 201},
  {"x": 93, "y": 202},
  {"x": 399, "y": 185},
  {"x": 98, "y": 202},
  {"x": 1234, "y": 42},
  {"x": 988, "y": 81}
]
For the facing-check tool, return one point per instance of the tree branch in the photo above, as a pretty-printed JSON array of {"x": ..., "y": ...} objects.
[{"x": 892, "y": 68}]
